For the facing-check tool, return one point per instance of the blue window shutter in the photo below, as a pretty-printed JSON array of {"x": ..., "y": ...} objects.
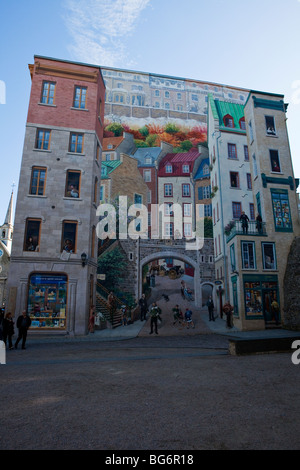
[{"x": 200, "y": 193}]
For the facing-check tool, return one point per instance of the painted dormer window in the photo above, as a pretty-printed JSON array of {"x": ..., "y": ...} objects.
[
  {"x": 242, "y": 124},
  {"x": 168, "y": 168},
  {"x": 228, "y": 121},
  {"x": 206, "y": 170},
  {"x": 185, "y": 168}
]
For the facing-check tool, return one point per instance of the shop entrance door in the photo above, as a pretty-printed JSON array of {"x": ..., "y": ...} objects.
[{"x": 269, "y": 293}]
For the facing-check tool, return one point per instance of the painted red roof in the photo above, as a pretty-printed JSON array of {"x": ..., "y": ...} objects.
[
  {"x": 177, "y": 160},
  {"x": 114, "y": 141}
]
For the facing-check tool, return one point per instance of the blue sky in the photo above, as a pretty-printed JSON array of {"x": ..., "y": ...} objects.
[{"x": 247, "y": 44}]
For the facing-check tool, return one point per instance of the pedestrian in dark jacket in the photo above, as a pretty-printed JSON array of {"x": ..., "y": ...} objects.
[
  {"x": 245, "y": 220},
  {"x": 143, "y": 306},
  {"x": 8, "y": 329},
  {"x": 23, "y": 323},
  {"x": 154, "y": 315},
  {"x": 210, "y": 306}
]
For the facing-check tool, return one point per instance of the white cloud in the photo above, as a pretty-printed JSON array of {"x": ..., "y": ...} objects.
[{"x": 98, "y": 28}]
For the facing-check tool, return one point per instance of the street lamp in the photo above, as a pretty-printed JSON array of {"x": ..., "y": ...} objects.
[{"x": 83, "y": 259}]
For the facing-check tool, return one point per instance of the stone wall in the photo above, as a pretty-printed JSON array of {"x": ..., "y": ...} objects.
[{"x": 292, "y": 287}]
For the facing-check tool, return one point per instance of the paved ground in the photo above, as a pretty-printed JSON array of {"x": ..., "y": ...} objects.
[{"x": 123, "y": 389}]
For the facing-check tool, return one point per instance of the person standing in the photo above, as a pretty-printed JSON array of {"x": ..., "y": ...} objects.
[
  {"x": 228, "y": 309},
  {"x": 188, "y": 318},
  {"x": 143, "y": 306},
  {"x": 8, "y": 329},
  {"x": 210, "y": 306},
  {"x": 154, "y": 315},
  {"x": 275, "y": 311},
  {"x": 23, "y": 323},
  {"x": 245, "y": 220},
  {"x": 259, "y": 223}
]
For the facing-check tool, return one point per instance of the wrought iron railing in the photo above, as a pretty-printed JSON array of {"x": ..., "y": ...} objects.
[{"x": 253, "y": 229}]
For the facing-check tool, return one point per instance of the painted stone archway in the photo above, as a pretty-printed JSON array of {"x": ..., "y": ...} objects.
[{"x": 186, "y": 259}]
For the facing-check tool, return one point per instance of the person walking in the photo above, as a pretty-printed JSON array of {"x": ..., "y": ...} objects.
[
  {"x": 210, "y": 306},
  {"x": 177, "y": 315},
  {"x": 23, "y": 323},
  {"x": 188, "y": 318},
  {"x": 154, "y": 316},
  {"x": 228, "y": 310},
  {"x": 245, "y": 220},
  {"x": 8, "y": 330},
  {"x": 143, "y": 307},
  {"x": 275, "y": 311}
]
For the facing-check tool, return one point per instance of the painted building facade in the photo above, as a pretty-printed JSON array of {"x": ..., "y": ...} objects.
[{"x": 54, "y": 255}]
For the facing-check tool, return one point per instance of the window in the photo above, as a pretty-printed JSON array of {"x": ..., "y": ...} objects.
[
  {"x": 246, "y": 153},
  {"x": 206, "y": 192},
  {"x": 251, "y": 132},
  {"x": 69, "y": 233},
  {"x": 148, "y": 160},
  {"x": 38, "y": 181},
  {"x": 95, "y": 190},
  {"x": 205, "y": 170},
  {"x": 147, "y": 176},
  {"x": 248, "y": 255},
  {"x": 168, "y": 168},
  {"x": 107, "y": 157},
  {"x": 254, "y": 166},
  {"x": 234, "y": 179},
  {"x": 249, "y": 181},
  {"x": 32, "y": 235},
  {"x": 168, "y": 229},
  {"x": 43, "y": 139},
  {"x": 185, "y": 168},
  {"x": 48, "y": 93},
  {"x": 186, "y": 190},
  {"x": 169, "y": 208},
  {"x": 167, "y": 105},
  {"x": 236, "y": 210},
  {"x": 80, "y": 97},
  {"x": 149, "y": 197},
  {"x": 138, "y": 199},
  {"x": 270, "y": 125},
  {"x": 101, "y": 193},
  {"x": 242, "y": 124},
  {"x": 269, "y": 257},
  {"x": 207, "y": 210},
  {"x": 76, "y": 143},
  {"x": 156, "y": 92},
  {"x": 274, "y": 159},
  {"x": 93, "y": 250},
  {"x": 232, "y": 258},
  {"x": 179, "y": 96},
  {"x": 187, "y": 210},
  {"x": 167, "y": 94},
  {"x": 168, "y": 190},
  {"x": 228, "y": 121},
  {"x": 179, "y": 107},
  {"x": 281, "y": 210},
  {"x": 194, "y": 97},
  {"x": 187, "y": 230},
  {"x": 73, "y": 184},
  {"x": 232, "y": 152},
  {"x": 251, "y": 211}
]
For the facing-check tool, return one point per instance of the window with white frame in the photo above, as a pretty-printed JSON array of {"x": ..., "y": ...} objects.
[
  {"x": 168, "y": 208},
  {"x": 185, "y": 168},
  {"x": 186, "y": 190},
  {"x": 187, "y": 229},
  {"x": 248, "y": 255},
  {"x": 147, "y": 176},
  {"x": 168, "y": 168},
  {"x": 187, "y": 210}
]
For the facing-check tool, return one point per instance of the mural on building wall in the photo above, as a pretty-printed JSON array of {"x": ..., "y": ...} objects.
[{"x": 181, "y": 137}]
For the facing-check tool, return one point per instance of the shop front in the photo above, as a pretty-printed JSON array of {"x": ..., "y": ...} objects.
[
  {"x": 47, "y": 300},
  {"x": 259, "y": 293}
]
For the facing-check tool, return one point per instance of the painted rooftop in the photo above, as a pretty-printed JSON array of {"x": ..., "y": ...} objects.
[
  {"x": 111, "y": 143},
  {"x": 144, "y": 154},
  {"x": 220, "y": 109},
  {"x": 203, "y": 170},
  {"x": 108, "y": 167},
  {"x": 177, "y": 161}
]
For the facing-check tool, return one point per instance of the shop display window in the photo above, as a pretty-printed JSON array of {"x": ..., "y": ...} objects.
[
  {"x": 281, "y": 210},
  {"x": 47, "y": 300},
  {"x": 253, "y": 298}
]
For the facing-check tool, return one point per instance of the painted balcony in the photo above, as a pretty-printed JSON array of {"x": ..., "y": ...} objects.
[{"x": 235, "y": 228}]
